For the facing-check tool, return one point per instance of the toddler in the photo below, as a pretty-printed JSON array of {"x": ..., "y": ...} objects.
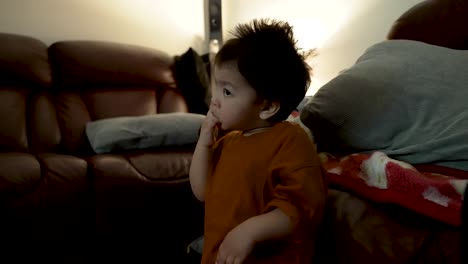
[{"x": 261, "y": 181}]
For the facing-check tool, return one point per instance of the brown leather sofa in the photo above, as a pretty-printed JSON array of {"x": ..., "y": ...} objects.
[{"x": 59, "y": 201}]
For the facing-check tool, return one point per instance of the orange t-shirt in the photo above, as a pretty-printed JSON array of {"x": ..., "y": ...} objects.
[{"x": 252, "y": 175}]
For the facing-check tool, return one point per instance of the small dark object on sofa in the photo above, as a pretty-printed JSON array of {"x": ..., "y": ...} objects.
[{"x": 192, "y": 77}]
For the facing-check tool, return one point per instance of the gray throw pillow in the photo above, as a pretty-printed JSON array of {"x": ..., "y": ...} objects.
[
  {"x": 142, "y": 132},
  {"x": 405, "y": 98}
]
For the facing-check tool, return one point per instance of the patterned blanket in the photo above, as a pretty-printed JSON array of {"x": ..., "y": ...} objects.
[{"x": 436, "y": 192}]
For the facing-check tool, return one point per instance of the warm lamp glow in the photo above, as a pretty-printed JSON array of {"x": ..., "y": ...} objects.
[
  {"x": 310, "y": 33},
  {"x": 315, "y": 84},
  {"x": 314, "y": 21}
]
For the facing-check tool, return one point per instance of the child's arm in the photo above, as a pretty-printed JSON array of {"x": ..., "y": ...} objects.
[
  {"x": 298, "y": 205},
  {"x": 240, "y": 241},
  {"x": 201, "y": 159},
  {"x": 272, "y": 225},
  {"x": 199, "y": 170}
]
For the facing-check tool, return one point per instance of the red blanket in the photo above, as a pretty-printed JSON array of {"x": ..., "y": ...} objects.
[{"x": 434, "y": 191}]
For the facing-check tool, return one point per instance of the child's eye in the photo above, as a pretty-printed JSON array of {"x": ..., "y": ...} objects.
[{"x": 226, "y": 92}]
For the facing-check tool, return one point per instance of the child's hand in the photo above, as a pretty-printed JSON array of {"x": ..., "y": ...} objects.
[
  {"x": 209, "y": 130},
  {"x": 236, "y": 246}
]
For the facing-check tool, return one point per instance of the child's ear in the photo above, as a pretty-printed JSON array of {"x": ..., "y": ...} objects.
[{"x": 269, "y": 109}]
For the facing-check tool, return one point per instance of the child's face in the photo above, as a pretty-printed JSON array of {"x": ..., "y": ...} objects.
[{"x": 234, "y": 102}]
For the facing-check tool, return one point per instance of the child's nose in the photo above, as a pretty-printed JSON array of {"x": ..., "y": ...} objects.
[{"x": 214, "y": 102}]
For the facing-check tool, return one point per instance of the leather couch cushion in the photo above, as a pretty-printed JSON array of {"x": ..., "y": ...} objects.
[
  {"x": 66, "y": 176},
  {"x": 21, "y": 204},
  {"x": 21, "y": 173},
  {"x": 13, "y": 135},
  {"x": 68, "y": 212},
  {"x": 86, "y": 64},
  {"x": 170, "y": 101},
  {"x": 72, "y": 116},
  {"x": 114, "y": 103},
  {"x": 437, "y": 22},
  {"x": 143, "y": 203},
  {"x": 23, "y": 60},
  {"x": 24, "y": 69},
  {"x": 45, "y": 137},
  {"x": 140, "y": 167}
]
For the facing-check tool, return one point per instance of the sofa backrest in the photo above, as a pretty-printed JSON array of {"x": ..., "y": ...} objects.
[
  {"x": 436, "y": 22},
  {"x": 95, "y": 80},
  {"x": 25, "y": 78},
  {"x": 48, "y": 94}
]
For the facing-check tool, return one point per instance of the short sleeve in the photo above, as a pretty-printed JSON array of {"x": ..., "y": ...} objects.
[{"x": 299, "y": 189}]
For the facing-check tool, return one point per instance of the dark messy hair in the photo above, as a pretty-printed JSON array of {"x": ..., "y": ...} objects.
[{"x": 267, "y": 57}]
